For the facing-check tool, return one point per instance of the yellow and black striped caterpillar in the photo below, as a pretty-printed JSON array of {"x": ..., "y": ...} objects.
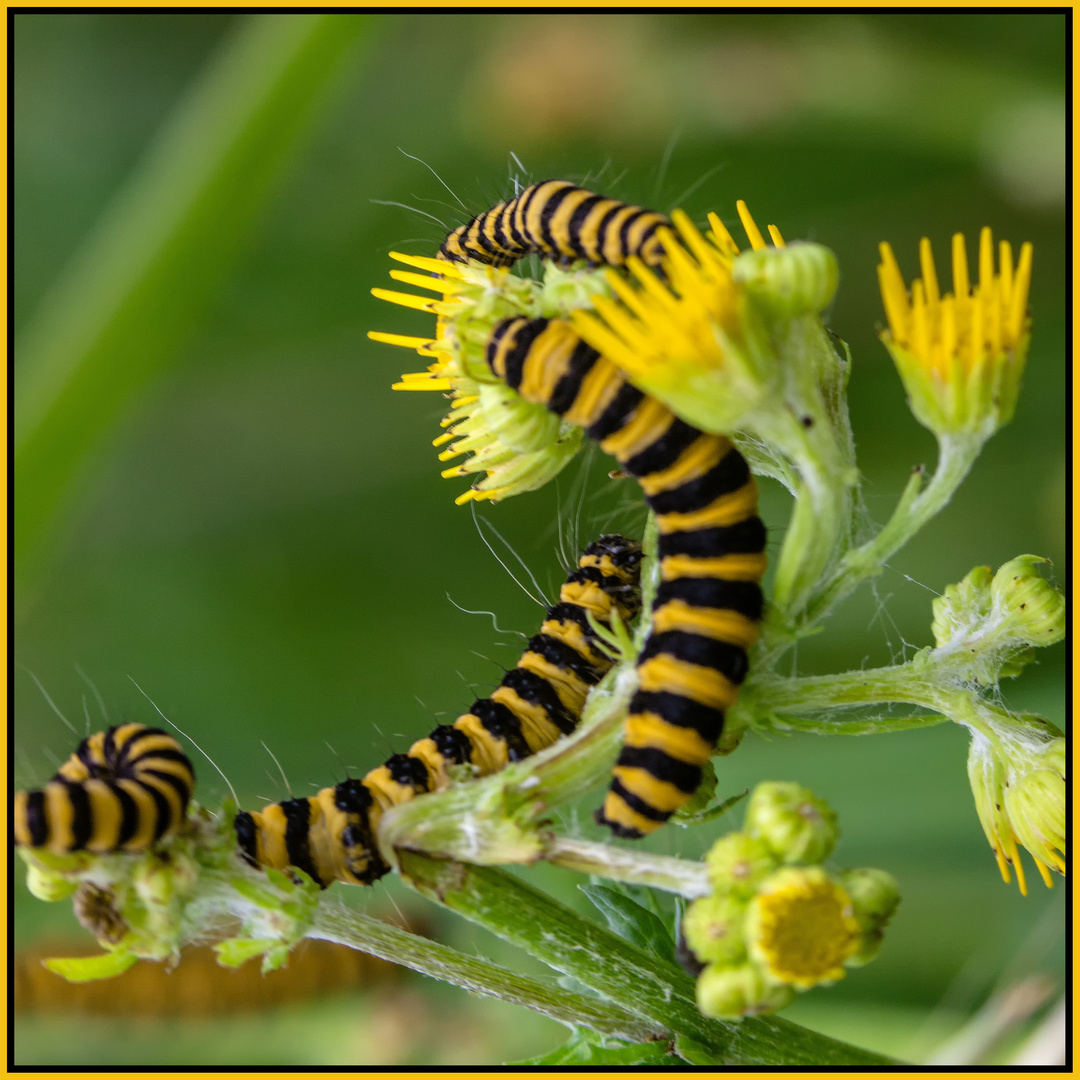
[
  {"x": 712, "y": 558},
  {"x": 331, "y": 835},
  {"x": 122, "y": 790},
  {"x": 561, "y": 222}
]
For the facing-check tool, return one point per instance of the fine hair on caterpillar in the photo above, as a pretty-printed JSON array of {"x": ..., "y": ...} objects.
[{"x": 332, "y": 835}]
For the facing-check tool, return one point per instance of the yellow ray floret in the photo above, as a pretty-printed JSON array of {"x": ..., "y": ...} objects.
[{"x": 968, "y": 324}]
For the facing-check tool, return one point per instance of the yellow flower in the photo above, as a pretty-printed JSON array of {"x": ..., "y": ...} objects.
[
  {"x": 1018, "y": 780},
  {"x": 961, "y": 354},
  {"x": 518, "y": 446},
  {"x": 695, "y": 341},
  {"x": 801, "y": 927}
]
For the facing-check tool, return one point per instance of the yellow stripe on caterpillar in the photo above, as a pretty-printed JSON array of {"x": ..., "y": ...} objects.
[
  {"x": 571, "y": 690},
  {"x": 648, "y": 730},
  {"x": 537, "y": 728},
  {"x": 616, "y": 810},
  {"x": 739, "y": 567},
  {"x": 719, "y": 624},
  {"x": 726, "y": 510},
  {"x": 660, "y": 794},
  {"x": 706, "y": 686},
  {"x": 650, "y": 422},
  {"x": 703, "y": 454}
]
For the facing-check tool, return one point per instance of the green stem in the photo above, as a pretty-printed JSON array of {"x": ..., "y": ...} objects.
[
  {"x": 956, "y": 455},
  {"x": 660, "y": 992},
  {"x": 334, "y": 922},
  {"x": 822, "y": 503},
  {"x": 623, "y": 864}
]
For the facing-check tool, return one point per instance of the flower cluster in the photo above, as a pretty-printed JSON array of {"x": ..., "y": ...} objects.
[{"x": 777, "y": 921}]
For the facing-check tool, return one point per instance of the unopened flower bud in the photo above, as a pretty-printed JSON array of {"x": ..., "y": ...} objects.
[
  {"x": 713, "y": 929},
  {"x": 875, "y": 896},
  {"x": 1035, "y": 607},
  {"x": 1034, "y": 803},
  {"x": 727, "y": 993},
  {"x": 48, "y": 885},
  {"x": 738, "y": 863},
  {"x": 962, "y": 608},
  {"x": 798, "y": 279},
  {"x": 797, "y": 826}
]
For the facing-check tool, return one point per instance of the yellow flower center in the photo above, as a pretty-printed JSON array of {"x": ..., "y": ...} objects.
[
  {"x": 967, "y": 325},
  {"x": 804, "y": 927}
]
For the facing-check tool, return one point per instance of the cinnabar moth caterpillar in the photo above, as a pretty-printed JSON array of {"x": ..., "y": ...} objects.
[
  {"x": 561, "y": 222},
  {"x": 712, "y": 552},
  {"x": 331, "y": 835},
  {"x": 122, "y": 790}
]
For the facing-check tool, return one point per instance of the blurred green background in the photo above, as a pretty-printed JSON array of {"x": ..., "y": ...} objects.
[{"x": 258, "y": 534}]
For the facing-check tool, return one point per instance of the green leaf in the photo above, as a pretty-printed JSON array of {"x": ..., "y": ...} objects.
[
  {"x": 695, "y": 1053},
  {"x": 700, "y": 818},
  {"x": 237, "y": 951},
  {"x": 586, "y": 1048},
  {"x": 700, "y": 799},
  {"x": 82, "y": 969},
  {"x": 631, "y": 921}
]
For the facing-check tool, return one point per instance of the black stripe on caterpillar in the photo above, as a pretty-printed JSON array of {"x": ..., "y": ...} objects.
[
  {"x": 561, "y": 222},
  {"x": 122, "y": 790},
  {"x": 712, "y": 558},
  {"x": 331, "y": 835}
]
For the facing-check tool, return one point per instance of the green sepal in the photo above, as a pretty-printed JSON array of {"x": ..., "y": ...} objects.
[
  {"x": 80, "y": 969},
  {"x": 687, "y": 816},
  {"x": 695, "y": 1053},
  {"x": 239, "y": 950}
]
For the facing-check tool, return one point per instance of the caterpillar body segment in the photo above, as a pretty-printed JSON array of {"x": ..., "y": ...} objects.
[
  {"x": 122, "y": 790},
  {"x": 561, "y": 222},
  {"x": 712, "y": 552},
  {"x": 332, "y": 835}
]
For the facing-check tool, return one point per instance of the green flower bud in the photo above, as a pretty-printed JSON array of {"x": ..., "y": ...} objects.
[
  {"x": 738, "y": 863},
  {"x": 990, "y": 623},
  {"x": 1036, "y": 608},
  {"x": 713, "y": 928},
  {"x": 797, "y": 826},
  {"x": 962, "y": 607},
  {"x": 47, "y": 884},
  {"x": 1035, "y": 803},
  {"x": 875, "y": 896},
  {"x": 798, "y": 279},
  {"x": 728, "y": 993}
]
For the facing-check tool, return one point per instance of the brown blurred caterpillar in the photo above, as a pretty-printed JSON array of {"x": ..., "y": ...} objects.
[{"x": 331, "y": 835}]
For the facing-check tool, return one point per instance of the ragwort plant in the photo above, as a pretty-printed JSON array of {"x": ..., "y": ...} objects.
[{"x": 732, "y": 342}]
